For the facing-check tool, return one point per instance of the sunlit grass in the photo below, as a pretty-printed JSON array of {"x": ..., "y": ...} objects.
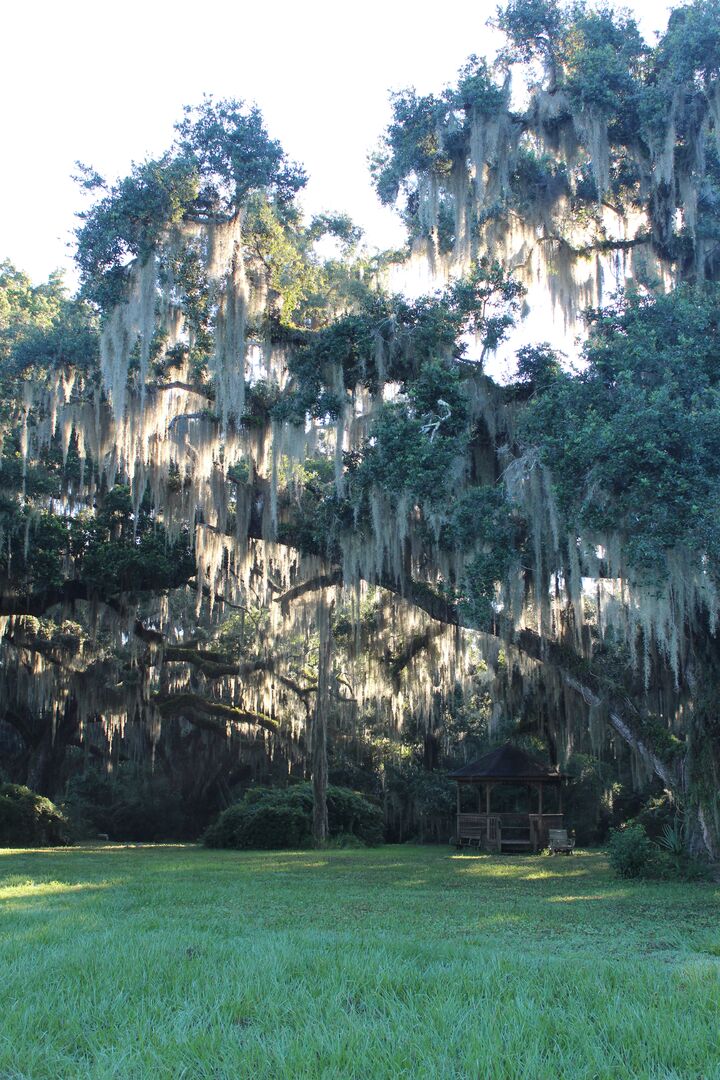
[{"x": 169, "y": 962}]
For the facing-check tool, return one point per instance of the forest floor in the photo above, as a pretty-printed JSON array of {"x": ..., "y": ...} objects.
[{"x": 172, "y": 961}]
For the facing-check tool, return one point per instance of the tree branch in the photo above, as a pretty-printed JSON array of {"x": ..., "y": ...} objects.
[
  {"x": 202, "y": 710},
  {"x": 417, "y": 644},
  {"x": 177, "y": 385},
  {"x": 421, "y": 595},
  {"x": 38, "y": 602},
  {"x": 211, "y": 664},
  {"x": 623, "y": 729},
  {"x": 323, "y": 581}
]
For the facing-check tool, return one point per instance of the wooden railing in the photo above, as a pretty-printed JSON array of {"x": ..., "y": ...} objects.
[
  {"x": 482, "y": 829},
  {"x": 487, "y": 830}
]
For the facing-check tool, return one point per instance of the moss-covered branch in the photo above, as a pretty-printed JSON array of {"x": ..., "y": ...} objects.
[{"x": 211, "y": 714}]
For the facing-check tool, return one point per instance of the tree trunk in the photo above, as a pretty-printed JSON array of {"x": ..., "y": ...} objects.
[
  {"x": 431, "y": 751},
  {"x": 39, "y": 765},
  {"x": 319, "y": 728},
  {"x": 701, "y": 783},
  {"x": 47, "y": 749}
]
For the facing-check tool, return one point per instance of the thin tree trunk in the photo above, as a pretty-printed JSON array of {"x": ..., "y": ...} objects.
[
  {"x": 47, "y": 753},
  {"x": 319, "y": 734},
  {"x": 39, "y": 762}
]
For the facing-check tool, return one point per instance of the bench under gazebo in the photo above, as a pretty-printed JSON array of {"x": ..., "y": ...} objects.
[{"x": 509, "y": 767}]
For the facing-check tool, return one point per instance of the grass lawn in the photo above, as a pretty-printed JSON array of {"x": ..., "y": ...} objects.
[{"x": 163, "y": 961}]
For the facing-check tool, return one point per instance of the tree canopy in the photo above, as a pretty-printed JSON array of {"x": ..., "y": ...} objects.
[{"x": 257, "y": 508}]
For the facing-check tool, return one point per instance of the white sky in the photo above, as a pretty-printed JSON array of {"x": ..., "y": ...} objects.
[{"x": 104, "y": 82}]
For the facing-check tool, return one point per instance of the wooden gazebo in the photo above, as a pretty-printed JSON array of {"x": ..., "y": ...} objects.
[{"x": 509, "y": 766}]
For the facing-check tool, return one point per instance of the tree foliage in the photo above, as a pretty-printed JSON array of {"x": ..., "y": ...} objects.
[
  {"x": 612, "y": 125},
  {"x": 222, "y": 156},
  {"x": 27, "y": 819},
  {"x": 632, "y": 438},
  {"x": 252, "y": 500}
]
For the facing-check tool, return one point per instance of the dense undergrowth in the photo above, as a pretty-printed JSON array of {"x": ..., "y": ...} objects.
[
  {"x": 270, "y": 818},
  {"x": 28, "y": 819}
]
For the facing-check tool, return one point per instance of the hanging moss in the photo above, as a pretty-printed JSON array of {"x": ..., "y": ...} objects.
[
  {"x": 341, "y": 470},
  {"x": 635, "y": 120}
]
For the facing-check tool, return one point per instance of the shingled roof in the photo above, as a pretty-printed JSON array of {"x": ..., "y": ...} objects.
[{"x": 507, "y": 763}]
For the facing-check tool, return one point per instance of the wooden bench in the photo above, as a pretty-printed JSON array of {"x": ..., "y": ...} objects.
[{"x": 560, "y": 842}]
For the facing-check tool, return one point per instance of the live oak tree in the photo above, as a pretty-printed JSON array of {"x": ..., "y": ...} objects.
[
  {"x": 615, "y": 152},
  {"x": 246, "y": 431}
]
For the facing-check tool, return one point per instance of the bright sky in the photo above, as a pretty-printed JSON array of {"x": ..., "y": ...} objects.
[{"x": 104, "y": 82}]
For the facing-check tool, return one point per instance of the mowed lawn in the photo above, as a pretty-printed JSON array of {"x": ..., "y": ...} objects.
[{"x": 164, "y": 961}]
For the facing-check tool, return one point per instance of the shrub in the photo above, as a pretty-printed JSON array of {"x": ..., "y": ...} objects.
[
  {"x": 28, "y": 819},
  {"x": 631, "y": 852},
  {"x": 669, "y": 866},
  {"x": 272, "y": 818},
  {"x": 589, "y": 798},
  {"x": 673, "y": 860},
  {"x": 349, "y": 814},
  {"x": 656, "y": 816},
  {"x": 266, "y": 824},
  {"x": 672, "y": 839},
  {"x": 346, "y": 840},
  {"x": 634, "y": 855}
]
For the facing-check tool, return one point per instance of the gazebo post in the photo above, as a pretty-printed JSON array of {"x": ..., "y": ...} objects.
[{"x": 539, "y": 836}]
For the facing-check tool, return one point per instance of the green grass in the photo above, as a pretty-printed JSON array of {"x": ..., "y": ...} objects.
[{"x": 398, "y": 962}]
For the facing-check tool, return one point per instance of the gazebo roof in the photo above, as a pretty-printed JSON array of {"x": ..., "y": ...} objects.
[{"x": 508, "y": 763}]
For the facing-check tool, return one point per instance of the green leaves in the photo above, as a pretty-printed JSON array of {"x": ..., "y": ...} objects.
[
  {"x": 690, "y": 49},
  {"x": 402, "y": 458},
  {"x": 40, "y": 327},
  {"x": 228, "y": 144},
  {"x": 633, "y": 441},
  {"x": 222, "y": 156},
  {"x": 149, "y": 564},
  {"x": 411, "y": 144},
  {"x": 602, "y": 53},
  {"x": 532, "y": 28},
  {"x": 127, "y": 222},
  {"x": 620, "y": 119}
]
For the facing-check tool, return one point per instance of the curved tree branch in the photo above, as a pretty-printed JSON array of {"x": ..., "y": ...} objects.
[{"x": 214, "y": 714}]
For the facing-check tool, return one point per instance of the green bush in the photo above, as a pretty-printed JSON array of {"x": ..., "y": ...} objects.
[
  {"x": 634, "y": 855},
  {"x": 272, "y": 818},
  {"x": 673, "y": 861},
  {"x": 631, "y": 852},
  {"x": 30, "y": 820},
  {"x": 670, "y": 866},
  {"x": 349, "y": 814},
  {"x": 346, "y": 840},
  {"x": 589, "y": 798},
  {"x": 267, "y": 824},
  {"x": 656, "y": 815}
]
